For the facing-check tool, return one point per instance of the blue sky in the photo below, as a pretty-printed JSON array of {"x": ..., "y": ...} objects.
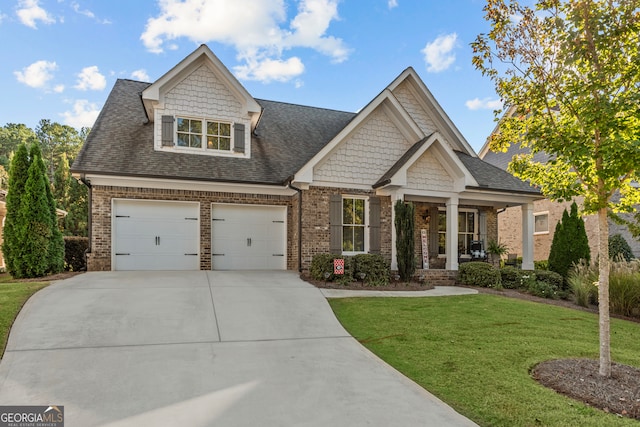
[{"x": 62, "y": 57}]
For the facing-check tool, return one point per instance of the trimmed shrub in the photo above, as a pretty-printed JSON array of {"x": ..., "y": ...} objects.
[
  {"x": 543, "y": 289},
  {"x": 405, "y": 245},
  {"x": 511, "y": 277},
  {"x": 375, "y": 268},
  {"x": 541, "y": 265},
  {"x": 551, "y": 278},
  {"x": 570, "y": 243},
  {"x": 12, "y": 247},
  {"x": 74, "y": 253},
  {"x": 479, "y": 274},
  {"x": 618, "y": 247},
  {"x": 322, "y": 264}
]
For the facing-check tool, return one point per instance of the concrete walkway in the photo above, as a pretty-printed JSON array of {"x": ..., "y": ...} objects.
[{"x": 202, "y": 349}]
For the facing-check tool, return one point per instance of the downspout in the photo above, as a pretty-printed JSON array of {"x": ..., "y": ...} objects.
[
  {"x": 299, "y": 191},
  {"x": 89, "y": 221}
]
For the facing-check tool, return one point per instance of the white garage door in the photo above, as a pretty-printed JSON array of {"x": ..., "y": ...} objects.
[
  {"x": 248, "y": 237},
  {"x": 155, "y": 235}
]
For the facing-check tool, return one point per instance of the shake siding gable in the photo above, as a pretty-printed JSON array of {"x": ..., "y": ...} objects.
[
  {"x": 407, "y": 99},
  {"x": 364, "y": 156},
  {"x": 428, "y": 174},
  {"x": 201, "y": 95}
]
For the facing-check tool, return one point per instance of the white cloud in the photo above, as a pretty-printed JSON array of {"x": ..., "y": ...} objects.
[
  {"x": 91, "y": 79},
  {"x": 438, "y": 53},
  {"x": 89, "y": 14},
  {"x": 483, "y": 104},
  {"x": 260, "y": 37},
  {"x": 84, "y": 114},
  {"x": 29, "y": 11},
  {"x": 268, "y": 70},
  {"x": 141, "y": 75},
  {"x": 392, "y": 4},
  {"x": 37, "y": 74},
  {"x": 58, "y": 89}
]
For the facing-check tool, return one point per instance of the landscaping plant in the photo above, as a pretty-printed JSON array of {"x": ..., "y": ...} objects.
[
  {"x": 481, "y": 274},
  {"x": 405, "y": 244},
  {"x": 570, "y": 243},
  {"x": 618, "y": 246}
]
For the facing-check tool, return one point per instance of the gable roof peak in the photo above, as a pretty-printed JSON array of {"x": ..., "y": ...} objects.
[{"x": 202, "y": 55}]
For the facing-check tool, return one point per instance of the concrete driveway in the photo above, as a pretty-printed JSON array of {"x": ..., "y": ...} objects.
[{"x": 202, "y": 349}]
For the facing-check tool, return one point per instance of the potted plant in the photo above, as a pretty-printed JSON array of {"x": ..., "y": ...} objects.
[{"x": 497, "y": 249}]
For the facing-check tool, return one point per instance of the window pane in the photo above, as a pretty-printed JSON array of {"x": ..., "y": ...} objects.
[
  {"x": 358, "y": 239},
  {"x": 212, "y": 128},
  {"x": 541, "y": 223},
  {"x": 196, "y": 126},
  {"x": 359, "y": 211},
  {"x": 347, "y": 239},
  {"x": 462, "y": 247},
  {"x": 471, "y": 222},
  {"x": 212, "y": 142},
  {"x": 183, "y": 140},
  {"x": 442, "y": 221},
  {"x": 225, "y": 143},
  {"x": 196, "y": 141},
  {"x": 462, "y": 220},
  {"x": 347, "y": 211},
  {"x": 442, "y": 243},
  {"x": 225, "y": 129},
  {"x": 183, "y": 125}
]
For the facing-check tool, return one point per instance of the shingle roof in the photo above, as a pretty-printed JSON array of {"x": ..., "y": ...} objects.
[
  {"x": 501, "y": 160},
  {"x": 287, "y": 137},
  {"x": 491, "y": 177}
]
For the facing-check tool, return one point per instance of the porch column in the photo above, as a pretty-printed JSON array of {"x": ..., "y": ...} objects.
[
  {"x": 452, "y": 234},
  {"x": 527, "y": 236}
]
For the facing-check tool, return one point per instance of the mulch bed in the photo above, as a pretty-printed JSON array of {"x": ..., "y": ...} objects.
[
  {"x": 580, "y": 380},
  {"x": 50, "y": 278}
]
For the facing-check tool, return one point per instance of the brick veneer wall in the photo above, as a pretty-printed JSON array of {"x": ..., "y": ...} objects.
[
  {"x": 315, "y": 221},
  {"x": 100, "y": 257}
]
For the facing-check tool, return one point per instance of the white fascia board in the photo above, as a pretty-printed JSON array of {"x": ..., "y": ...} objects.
[
  {"x": 351, "y": 186},
  {"x": 429, "y": 101},
  {"x": 493, "y": 197},
  {"x": 153, "y": 94},
  {"x": 454, "y": 166},
  {"x": 401, "y": 118},
  {"x": 175, "y": 184}
]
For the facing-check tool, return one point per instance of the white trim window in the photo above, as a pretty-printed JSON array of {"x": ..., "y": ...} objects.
[
  {"x": 203, "y": 134},
  {"x": 354, "y": 225},
  {"x": 467, "y": 230},
  {"x": 541, "y": 223}
]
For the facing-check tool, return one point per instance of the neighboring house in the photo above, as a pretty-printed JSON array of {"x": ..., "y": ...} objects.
[
  {"x": 191, "y": 172},
  {"x": 546, "y": 214}
]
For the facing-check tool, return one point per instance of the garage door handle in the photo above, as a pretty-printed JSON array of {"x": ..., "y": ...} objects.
[
  {"x": 217, "y": 254},
  {"x": 277, "y": 254},
  {"x": 191, "y": 254},
  {"x": 122, "y": 254},
  {"x": 249, "y": 241}
]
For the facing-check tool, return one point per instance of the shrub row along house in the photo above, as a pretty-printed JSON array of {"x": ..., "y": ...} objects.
[{"x": 191, "y": 172}]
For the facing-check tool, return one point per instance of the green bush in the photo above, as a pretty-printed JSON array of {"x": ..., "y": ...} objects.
[
  {"x": 624, "y": 288},
  {"x": 479, "y": 274},
  {"x": 570, "y": 243},
  {"x": 551, "y": 278},
  {"x": 405, "y": 240},
  {"x": 511, "y": 277},
  {"x": 543, "y": 289},
  {"x": 618, "y": 247},
  {"x": 74, "y": 253},
  {"x": 375, "y": 268},
  {"x": 541, "y": 265},
  {"x": 581, "y": 281}
]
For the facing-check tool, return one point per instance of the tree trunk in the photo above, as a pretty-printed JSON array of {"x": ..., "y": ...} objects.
[{"x": 603, "y": 293}]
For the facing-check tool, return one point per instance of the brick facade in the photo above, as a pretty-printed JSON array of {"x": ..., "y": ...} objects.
[{"x": 100, "y": 257}]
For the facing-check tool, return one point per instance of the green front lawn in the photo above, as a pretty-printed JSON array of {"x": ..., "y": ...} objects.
[
  {"x": 475, "y": 352},
  {"x": 12, "y": 298}
]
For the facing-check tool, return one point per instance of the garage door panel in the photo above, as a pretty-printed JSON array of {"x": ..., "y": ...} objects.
[
  {"x": 156, "y": 235},
  {"x": 246, "y": 237}
]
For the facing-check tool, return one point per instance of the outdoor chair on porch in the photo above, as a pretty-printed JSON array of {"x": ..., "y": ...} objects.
[
  {"x": 512, "y": 260},
  {"x": 477, "y": 251}
]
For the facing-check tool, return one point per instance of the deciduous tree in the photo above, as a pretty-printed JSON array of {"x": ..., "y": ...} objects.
[{"x": 570, "y": 69}]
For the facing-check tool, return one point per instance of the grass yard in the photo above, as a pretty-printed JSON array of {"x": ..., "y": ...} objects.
[
  {"x": 475, "y": 352},
  {"x": 12, "y": 298}
]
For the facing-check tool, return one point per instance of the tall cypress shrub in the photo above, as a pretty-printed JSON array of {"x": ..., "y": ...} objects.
[
  {"x": 570, "y": 243},
  {"x": 405, "y": 246},
  {"x": 36, "y": 229},
  {"x": 56, "y": 241},
  {"x": 12, "y": 247}
]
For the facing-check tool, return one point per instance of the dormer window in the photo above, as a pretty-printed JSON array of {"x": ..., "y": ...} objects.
[{"x": 193, "y": 133}]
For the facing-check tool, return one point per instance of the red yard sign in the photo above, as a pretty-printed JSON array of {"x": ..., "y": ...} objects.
[{"x": 338, "y": 266}]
